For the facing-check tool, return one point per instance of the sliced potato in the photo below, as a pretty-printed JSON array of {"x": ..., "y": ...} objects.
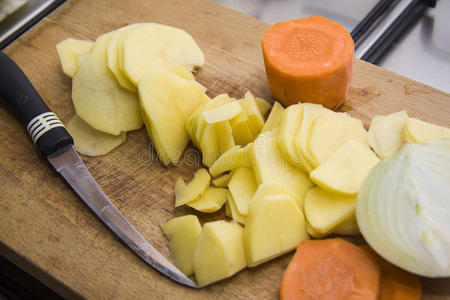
[
  {"x": 98, "y": 98},
  {"x": 223, "y": 180},
  {"x": 242, "y": 187},
  {"x": 69, "y": 50},
  {"x": 325, "y": 211},
  {"x": 209, "y": 145},
  {"x": 235, "y": 214},
  {"x": 263, "y": 106},
  {"x": 345, "y": 170},
  {"x": 240, "y": 126},
  {"x": 113, "y": 59},
  {"x": 228, "y": 210},
  {"x": 183, "y": 233},
  {"x": 232, "y": 159},
  {"x": 167, "y": 100},
  {"x": 275, "y": 189},
  {"x": 219, "y": 253},
  {"x": 225, "y": 135},
  {"x": 254, "y": 115},
  {"x": 418, "y": 131},
  {"x": 330, "y": 132},
  {"x": 273, "y": 227},
  {"x": 310, "y": 113},
  {"x": 193, "y": 190},
  {"x": 224, "y": 112},
  {"x": 289, "y": 126},
  {"x": 271, "y": 166},
  {"x": 212, "y": 200},
  {"x": 274, "y": 118},
  {"x": 386, "y": 133},
  {"x": 156, "y": 47},
  {"x": 91, "y": 142}
]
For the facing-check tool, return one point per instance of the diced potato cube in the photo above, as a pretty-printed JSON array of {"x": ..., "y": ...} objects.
[
  {"x": 219, "y": 253},
  {"x": 345, "y": 170},
  {"x": 183, "y": 233}
]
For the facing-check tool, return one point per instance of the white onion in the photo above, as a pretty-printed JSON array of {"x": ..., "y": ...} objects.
[{"x": 403, "y": 208}]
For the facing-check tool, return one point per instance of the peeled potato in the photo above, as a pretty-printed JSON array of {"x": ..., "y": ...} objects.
[
  {"x": 183, "y": 233},
  {"x": 386, "y": 133},
  {"x": 242, "y": 132},
  {"x": 345, "y": 170},
  {"x": 235, "y": 214},
  {"x": 222, "y": 113},
  {"x": 242, "y": 186},
  {"x": 167, "y": 100},
  {"x": 193, "y": 190},
  {"x": 250, "y": 105},
  {"x": 69, "y": 50},
  {"x": 330, "y": 132},
  {"x": 212, "y": 200},
  {"x": 225, "y": 134},
  {"x": 156, "y": 47},
  {"x": 232, "y": 159},
  {"x": 289, "y": 126},
  {"x": 113, "y": 59},
  {"x": 91, "y": 142},
  {"x": 274, "y": 118},
  {"x": 99, "y": 99},
  {"x": 418, "y": 131},
  {"x": 274, "y": 189}
]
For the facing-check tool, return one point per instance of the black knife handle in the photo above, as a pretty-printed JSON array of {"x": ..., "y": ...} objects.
[{"x": 44, "y": 127}]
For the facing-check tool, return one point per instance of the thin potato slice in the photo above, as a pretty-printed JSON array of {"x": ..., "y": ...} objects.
[
  {"x": 212, "y": 200},
  {"x": 242, "y": 132},
  {"x": 289, "y": 126},
  {"x": 193, "y": 190},
  {"x": 224, "y": 112},
  {"x": 242, "y": 186},
  {"x": 91, "y": 142},
  {"x": 113, "y": 59},
  {"x": 99, "y": 99},
  {"x": 156, "y": 47},
  {"x": 345, "y": 170},
  {"x": 223, "y": 180},
  {"x": 328, "y": 133},
  {"x": 386, "y": 133},
  {"x": 274, "y": 189},
  {"x": 274, "y": 118},
  {"x": 418, "y": 131},
  {"x": 166, "y": 101},
  {"x": 250, "y": 106},
  {"x": 226, "y": 140},
  {"x": 69, "y": 50},
  {"x": 263, "y": 106},
  {"x": 232, "y": 159},
  {"x": 235, "y": 214}
]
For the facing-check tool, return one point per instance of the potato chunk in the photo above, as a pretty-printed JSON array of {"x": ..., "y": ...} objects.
[
  {"x": 99, "y": 99},
  {"x": 193, "y": 190},
  {"x": 69, "y": 50},
  {"x": 325, "y": 210},
  {"x": 418, "y": 131},
  {"x": 155, "y": 47},
  {"x": 183, "y": 233},
  {"x": 271, "y": 166},
  {"x": 219, "y": 253},
  {"x": 273, "y": 227},
  {"x": 91, "y": 142},
  {"x": 345, "y": 170},
  {"x": 242, "y": 186},
  {"x": 212, "y": 200},
  {"x": 386, "y": 133},
  {"x": 167, "y": 101}
]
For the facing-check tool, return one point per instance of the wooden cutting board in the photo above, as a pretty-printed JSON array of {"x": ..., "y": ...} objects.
[{"x": 45, "y": 228}]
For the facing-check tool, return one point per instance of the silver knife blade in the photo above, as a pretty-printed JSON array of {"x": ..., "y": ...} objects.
[{"x": 71, "y": 167}]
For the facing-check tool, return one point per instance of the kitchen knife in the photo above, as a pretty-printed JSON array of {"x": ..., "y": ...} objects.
[{"x": 56, "y": 144}]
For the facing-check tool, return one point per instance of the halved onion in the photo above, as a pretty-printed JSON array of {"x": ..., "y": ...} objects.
[{"x": 403, "y": 208}]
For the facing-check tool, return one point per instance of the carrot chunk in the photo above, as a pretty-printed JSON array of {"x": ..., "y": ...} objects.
[
  {"x": 308, "y": 60},
  {"x": 396, "y": 284},
  {"x": 330, "y": 269}
]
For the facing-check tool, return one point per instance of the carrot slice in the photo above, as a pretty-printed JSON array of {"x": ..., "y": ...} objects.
[
  {"x": 396, "y": 284},
  {"x": 330, "y": 269},
  {"x": 308, "y": 60}
]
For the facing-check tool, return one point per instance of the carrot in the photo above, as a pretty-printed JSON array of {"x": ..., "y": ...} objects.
[
  {"x": 396, "y": 284},
  {"x": 308, "y": 60},
  {"x": 330, "y": 269}
]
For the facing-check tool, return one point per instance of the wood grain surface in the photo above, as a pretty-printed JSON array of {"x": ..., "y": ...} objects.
[{"x": 46, "y": 229}]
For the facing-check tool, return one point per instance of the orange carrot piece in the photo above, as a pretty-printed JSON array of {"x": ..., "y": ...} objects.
[
  {"x": 396, "y": 284},
  {"x": 330, "y": 269},
  {"x": 309, "y": 60}
]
